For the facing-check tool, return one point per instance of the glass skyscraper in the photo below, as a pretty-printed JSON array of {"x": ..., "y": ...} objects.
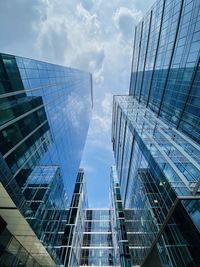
[
  {"x": 155, "y": 135},
  {"x": 43, "y": 109},
  {"x": 165, "y": 66}
]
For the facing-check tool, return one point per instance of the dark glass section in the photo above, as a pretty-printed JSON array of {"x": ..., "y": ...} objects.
[
  {"x": 10, "y": 80},
  {"x": 181, "y": 240}
]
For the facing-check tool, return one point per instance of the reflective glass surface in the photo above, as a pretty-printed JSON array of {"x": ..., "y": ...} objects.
[
  {"x": 97, "y": 247},
  {"x": 165, "y": 68},
  {"x": 44, "y": 117},
  {"x": 73, "y": 231},
  {"x": 67, "y": 100},
  {"x": 159, "y": 166}
]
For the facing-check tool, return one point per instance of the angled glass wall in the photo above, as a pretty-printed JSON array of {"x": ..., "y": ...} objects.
[{"x": 43, "y": 109}]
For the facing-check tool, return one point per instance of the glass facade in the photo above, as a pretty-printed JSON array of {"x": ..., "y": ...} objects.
[
  {"x": 155, "y": 135},
  {"x": 73, "y": 231},
  {"x": 122, "y": 254},
  {"x": 44, "y": 193},
  {"x": 43, "y": 109},
  {"x": 89, "y": 236},
  {"x": 165, "y": 68},
  {"x": 161, "y": 180},
  {"x": 97, "y": 247}
]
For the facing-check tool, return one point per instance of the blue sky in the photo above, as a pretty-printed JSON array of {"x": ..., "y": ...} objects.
[{"x": 93, "y": 35}]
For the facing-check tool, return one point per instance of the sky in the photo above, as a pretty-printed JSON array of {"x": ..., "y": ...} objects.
[{"x": 92, "y": 35}]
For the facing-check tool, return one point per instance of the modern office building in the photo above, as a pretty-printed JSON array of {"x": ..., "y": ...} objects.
[
  {"x": 158, "y": 170},
  {"x": 165, "y": 66},
  {"x": 155, "y": 135},
  {"x": 43, "y": 109}
]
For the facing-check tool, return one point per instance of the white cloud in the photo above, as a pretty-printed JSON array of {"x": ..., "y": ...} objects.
[
  {"x": 107, "y": 103},
  {"x": 52, "y": 40},
  {"x": 91, "y": 58},
  {"x": 98, "y": 76},
  {"x": 70, "y": 38},
  {"x": 101, "y": 120},
  {"x": 125, "y": 20},
  {"x": 89, "y": 20}
]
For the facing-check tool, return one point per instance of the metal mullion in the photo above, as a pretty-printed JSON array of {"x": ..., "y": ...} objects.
[
  {"x": 180, "y": 149},
  {"x": 138, "y": 59},
  {"x": 133, "y": 54},
  {"x": 114, "y": 118},
  {"x": 116, "y": 123},
  {"x": 23, "y": 140},
  {"x": 30, "y": 157},
  {"x": 167, "y": 219},
  {"x": 170, "y": 162},
  {"x": 145, "y": 56},
  {"x": 129, "y": 168},
  {"x": 154, "y": 64},
  {"x": 171, "y": 58},
  {"x": 189, "y": 92},
  {"x": 122, "y": 158},
  {"x": 177, "y": 146},
  {"x": 183, "y": 136},
  {"x": 117, "y": 158},
  {"x": 20, "y": 117},
  {"x": 29, "y": 90}
]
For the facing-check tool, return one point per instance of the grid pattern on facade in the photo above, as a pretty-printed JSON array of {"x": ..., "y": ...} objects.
[
  {"x": 36, "y": 97},
  {"x": 44, "y": 108},
  {"x": 165, "y": 68},
  {"x": 73, "y": 231},
  {"x": 163, "y": 168},
  {"x": 97, "y": 246}
]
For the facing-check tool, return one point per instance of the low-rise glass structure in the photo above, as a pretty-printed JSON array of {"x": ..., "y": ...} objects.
[
  {"x": 73, "y": 231},
  {"x": 122, "y": 256},
  {"x": 97, "y": 246}
]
